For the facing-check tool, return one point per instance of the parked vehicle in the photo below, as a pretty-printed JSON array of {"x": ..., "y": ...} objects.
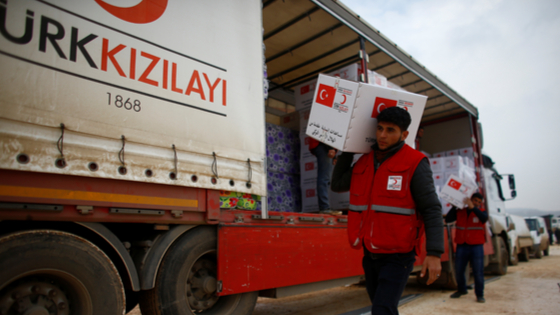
[
  {"x": 540, "y": 236},
  {"x": 119, "y": 130},
  {"x": 521, "y": 239}
]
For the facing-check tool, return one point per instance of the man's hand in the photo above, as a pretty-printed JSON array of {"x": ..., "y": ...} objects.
[
  {"x": 433, "y": 265},
  {"x": 332, "y": 153},
  {"x": 469, "y": 203}
]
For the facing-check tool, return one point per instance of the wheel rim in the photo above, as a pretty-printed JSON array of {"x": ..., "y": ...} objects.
[
  {"x": 45, "y": 292},
  {"x": 202, "y": 284}
]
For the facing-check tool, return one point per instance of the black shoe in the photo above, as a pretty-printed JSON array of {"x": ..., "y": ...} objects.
[
  {"x": 458, "y": 294},
  {"x": 480, "y": 299}
]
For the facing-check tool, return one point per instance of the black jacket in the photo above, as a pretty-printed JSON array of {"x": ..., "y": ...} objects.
[{"x": 421, "y": 187}]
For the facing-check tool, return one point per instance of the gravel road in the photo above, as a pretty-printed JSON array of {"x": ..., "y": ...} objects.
[{"x": 528, "y": 288}]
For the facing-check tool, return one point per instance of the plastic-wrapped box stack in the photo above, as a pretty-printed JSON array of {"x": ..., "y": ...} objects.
[
  {"x": 282, "y": 152},
  {"x": 283, "y": 180},
  {"x": 458, "y": 162}
]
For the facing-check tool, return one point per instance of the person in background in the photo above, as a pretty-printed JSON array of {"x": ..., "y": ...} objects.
[
  {"x": 392, "y": 200},
  {"x": 325, "y": 155},
  {"x": 470, "y": 236}
]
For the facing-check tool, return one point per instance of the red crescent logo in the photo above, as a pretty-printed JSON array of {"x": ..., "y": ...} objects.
[
  {"x": 379, "y": 108},
  {"x": 144, "y": 12},
  {"x": 321, "y": 94},
  {"x": 344, "y": 99},
  {"x": 396, "y": 181}
]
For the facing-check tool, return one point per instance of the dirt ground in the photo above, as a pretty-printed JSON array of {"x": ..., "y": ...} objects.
[{"x": 528, "y": 288}]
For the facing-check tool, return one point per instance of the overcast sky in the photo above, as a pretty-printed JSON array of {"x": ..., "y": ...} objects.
[{"x": 503, "y": 56}]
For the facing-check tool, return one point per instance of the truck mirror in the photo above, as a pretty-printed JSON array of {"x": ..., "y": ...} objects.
[
  {"x": 511, "y": 180},
  {"x": 513, "y": 194}
]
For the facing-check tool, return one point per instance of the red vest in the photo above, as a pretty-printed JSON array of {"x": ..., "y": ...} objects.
[
  {"x": 383, "y": 213},
  {"x": 469, "y": 229},
  {"x": 313, "y": 143}
]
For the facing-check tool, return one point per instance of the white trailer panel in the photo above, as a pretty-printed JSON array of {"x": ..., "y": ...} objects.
[{"x": 180, "y": 74}]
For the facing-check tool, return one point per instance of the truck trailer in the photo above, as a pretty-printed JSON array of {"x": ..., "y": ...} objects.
[{"x": 119, "y": 128}]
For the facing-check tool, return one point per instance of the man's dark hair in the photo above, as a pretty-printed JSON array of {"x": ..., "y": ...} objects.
[
  {"x": 477, "y": 195},
  {"x": 395, "y": 115}
]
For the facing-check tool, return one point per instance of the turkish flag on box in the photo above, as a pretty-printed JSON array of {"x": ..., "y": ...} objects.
[
  {"x": 325, "y": 95},
  {"x": 455, "y": 191}
]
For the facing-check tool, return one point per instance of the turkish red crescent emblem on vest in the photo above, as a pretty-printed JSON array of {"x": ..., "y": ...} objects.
[
  {"x": 144, "y": 12},
  {"x": 454, "y": 184},
  {"x": 381, "y": 104}
]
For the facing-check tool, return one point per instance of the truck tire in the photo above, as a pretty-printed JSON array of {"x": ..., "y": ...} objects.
[
  {"x": 54, "y": 272},
  {"x": 524, "y": 255},
  {"x": 514, "y": 258},
  {"x": 500, "y": 268},
  {"x": 546, "y": 250},
  {"x": 186, "y": 281}
]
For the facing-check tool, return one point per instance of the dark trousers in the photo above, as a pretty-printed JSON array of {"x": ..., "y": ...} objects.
[
  {"x": 386, "y": 277},
  {"x": 475, "y": 255},
  {"x": 324, "y": 173}
]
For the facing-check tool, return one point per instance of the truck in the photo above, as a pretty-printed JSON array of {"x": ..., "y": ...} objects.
[{"x": 120, "y": 128}]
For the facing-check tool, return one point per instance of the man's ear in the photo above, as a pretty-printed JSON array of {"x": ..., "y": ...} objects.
[{"x": 404, "y": 135}]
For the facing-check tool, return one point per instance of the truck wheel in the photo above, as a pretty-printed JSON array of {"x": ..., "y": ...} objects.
[
  {"x": 54, "y": 272},
  {"x": 545, "y": 252},
  {"x": 500, "y": 268},
  {"x": 513, "y": 258},
  {"x": 524, "y": 255},
  {"x": 186, "y": 281}
]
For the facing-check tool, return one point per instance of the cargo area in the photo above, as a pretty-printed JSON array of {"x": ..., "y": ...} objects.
[{"x": 305, "y": 38}]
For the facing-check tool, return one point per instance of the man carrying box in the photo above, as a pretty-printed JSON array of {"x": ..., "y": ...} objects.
[
  {"x": 392, "y": 199},
  {"x": 470, "y": 236}
]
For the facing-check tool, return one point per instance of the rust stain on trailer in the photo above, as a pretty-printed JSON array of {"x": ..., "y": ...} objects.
[{"x": 30, "y": 192}]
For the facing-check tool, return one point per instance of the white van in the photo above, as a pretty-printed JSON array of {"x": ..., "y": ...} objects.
[
  {"x": 521, "y": 240},
  {"x": 539, "y": 235}
]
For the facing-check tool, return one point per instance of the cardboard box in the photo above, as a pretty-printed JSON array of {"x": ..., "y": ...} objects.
[
  {"x": 309, "y": 167},
  {"x": 439, "y": 179},
  {"x": 438, "y": 154},
  {"x": 453, "y": 163},
  {"x": 393, "y": 86},
  {"x": 303, "y": 119},
  {"x": 455, "y": 191},
  {"x": 469, "y": 161},
  {"x": 343, "y": 114},
  {"x": 304, "y": 92},
  {"x": 436, "y": 163},
  {"x": 445, "y": 206},
  {"x": 452, "y": 153},
  {"x": 309, "y": 201},
  {"x": 466, "y": 152},
  {"x": 376, "y": 78},
  {"x": 291, "y": 121}
]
